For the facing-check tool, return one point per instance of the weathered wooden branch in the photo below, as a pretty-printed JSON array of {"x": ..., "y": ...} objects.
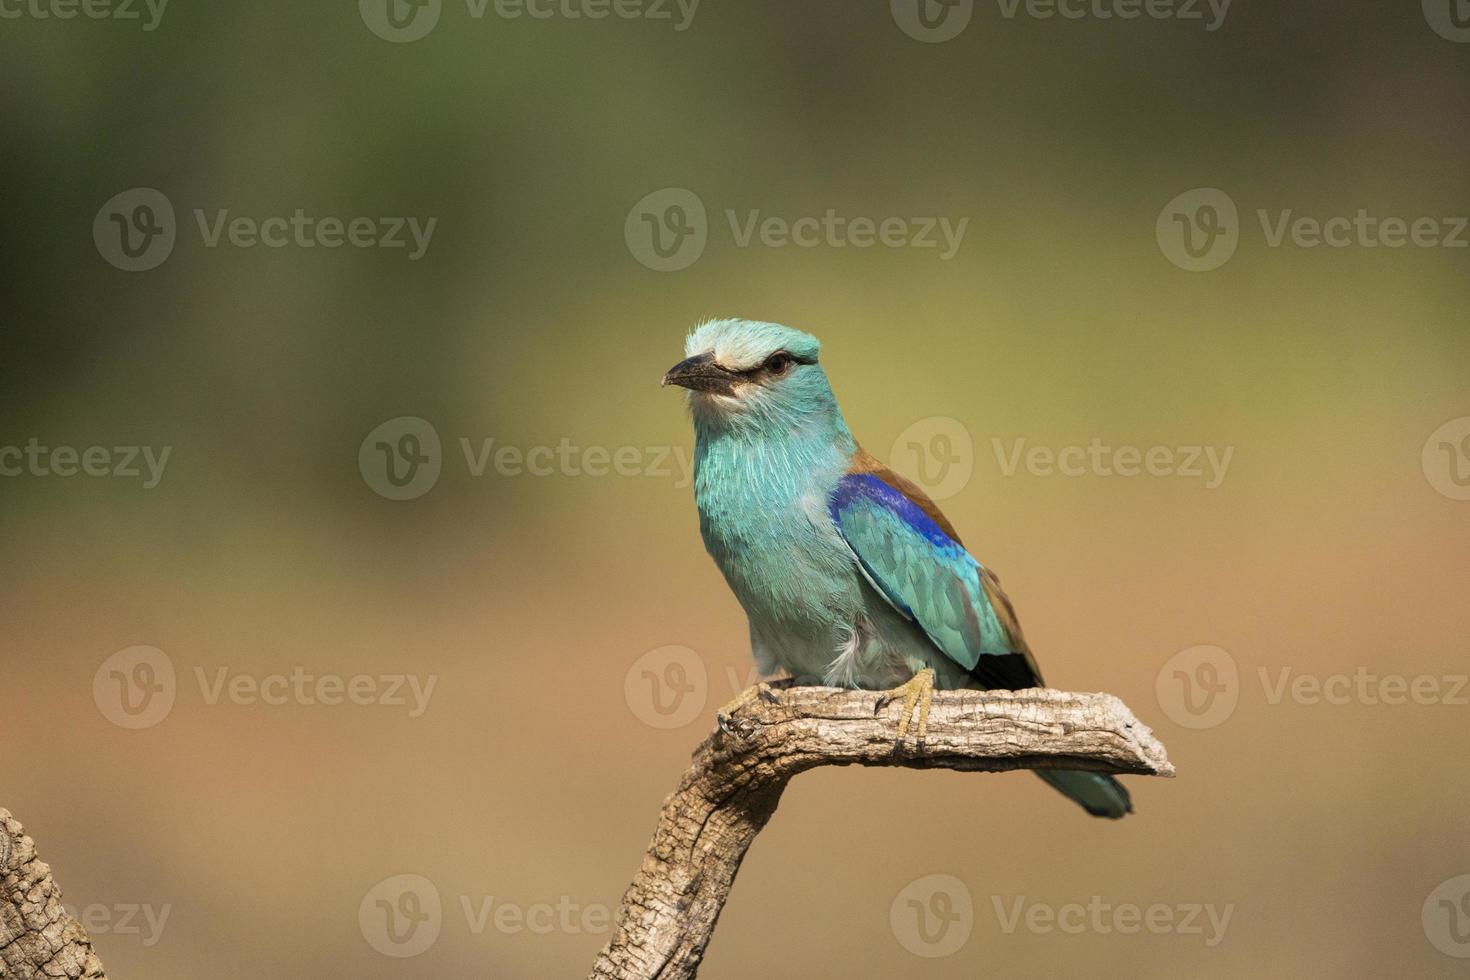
[
  {"x": 736, "y": 780},
  {"x": 38, "y": 939}
]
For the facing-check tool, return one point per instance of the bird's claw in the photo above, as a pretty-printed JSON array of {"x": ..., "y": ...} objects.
[
  {"x": 725, "y": 717},
  {"x": 729, "y": 725},
  {"x": 917, "y": 693}
]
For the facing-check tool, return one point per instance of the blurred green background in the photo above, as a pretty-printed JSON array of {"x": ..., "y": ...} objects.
[{"x": 534, "y": 775}]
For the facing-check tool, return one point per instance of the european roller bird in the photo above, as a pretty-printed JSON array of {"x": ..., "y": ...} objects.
[{"x": 849, "y": 574}]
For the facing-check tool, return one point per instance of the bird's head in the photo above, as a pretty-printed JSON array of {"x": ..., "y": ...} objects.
[{"x": 745, "y": 374}]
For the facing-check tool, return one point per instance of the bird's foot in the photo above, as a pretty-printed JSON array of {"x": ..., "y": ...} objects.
[
  {"x": 725, "y": 717},
  {"x": 918, "y": 692}
]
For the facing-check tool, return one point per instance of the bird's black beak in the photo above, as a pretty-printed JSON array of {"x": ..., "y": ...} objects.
[{"x": 702, "y": 373}]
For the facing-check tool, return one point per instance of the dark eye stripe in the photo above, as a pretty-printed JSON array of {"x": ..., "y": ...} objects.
[
  {"x": 763, "y": 367},
  {"x": 766, "y": 365}
]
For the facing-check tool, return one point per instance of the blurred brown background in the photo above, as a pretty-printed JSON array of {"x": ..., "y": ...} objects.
[{"x": 1335, "y": 543}]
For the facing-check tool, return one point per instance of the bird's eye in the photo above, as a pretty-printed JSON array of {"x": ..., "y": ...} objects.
[{"x": 779, "y": 362}]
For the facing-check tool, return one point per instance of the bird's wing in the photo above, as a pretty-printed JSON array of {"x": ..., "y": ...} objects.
[{"x": 912, "y": 557}]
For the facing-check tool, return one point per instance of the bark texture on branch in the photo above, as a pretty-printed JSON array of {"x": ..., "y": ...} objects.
[
  {"x": 38, "y": 939},
  {"x": 735, "y": 782}
]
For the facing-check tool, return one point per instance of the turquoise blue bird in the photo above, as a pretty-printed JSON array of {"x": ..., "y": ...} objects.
[{"x": 849, "y": 574}]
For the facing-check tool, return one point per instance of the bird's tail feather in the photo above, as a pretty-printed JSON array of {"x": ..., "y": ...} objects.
[{"x": 1099, "y": 795}]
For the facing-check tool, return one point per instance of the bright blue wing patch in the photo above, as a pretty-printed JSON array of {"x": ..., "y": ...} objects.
[{"x": 923, "y": 572}]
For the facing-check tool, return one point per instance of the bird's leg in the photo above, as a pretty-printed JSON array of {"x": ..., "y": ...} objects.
[{"x": 918, "y": 692}]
